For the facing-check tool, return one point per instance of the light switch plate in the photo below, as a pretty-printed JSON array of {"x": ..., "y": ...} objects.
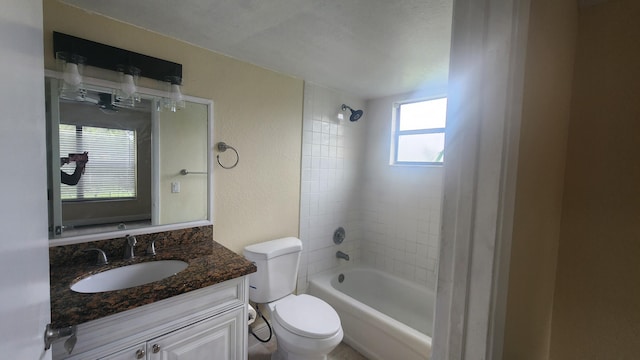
[{"x": 175, "y": 187}]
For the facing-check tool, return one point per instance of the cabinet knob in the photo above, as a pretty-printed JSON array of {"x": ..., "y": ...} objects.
[
  {"x": 155, "y": 348},
  {"x": 139, "y": 354}
]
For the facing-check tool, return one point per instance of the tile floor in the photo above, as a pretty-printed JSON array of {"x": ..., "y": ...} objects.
[{"x": 262, "y": 351}]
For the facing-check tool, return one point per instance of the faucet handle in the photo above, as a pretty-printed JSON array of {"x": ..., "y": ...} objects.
[
  {"x": 102, "y": 257},
  {"x": 151, "y": 249},
  {"x": 131, "y": 240},
  {"x": 129, "y": 246}
]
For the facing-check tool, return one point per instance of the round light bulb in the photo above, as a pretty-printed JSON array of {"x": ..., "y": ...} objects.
[
  {"x": 176, "y": 94},
  {"x": 72, "y": 75},
  {"x": 128, "y": 86}
]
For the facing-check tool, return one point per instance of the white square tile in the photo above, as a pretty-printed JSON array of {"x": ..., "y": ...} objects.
[
  {"x": 305, "y": 175},
  {"x": 306, "y": 149},
  {"x": 317, "y": 126},
  {"x": 307, "y": 137},
  {"x": 324, "y": 150},
  {"x": 333, "y": 130},
  {"x": 307, "y": 123},
  {"x": 421, "y": 252},
  {"x": 316, "y": 138},
  {"x": 333, "y": 152},
  {"x": 314, "y": 174},
  {"x": 324, "y": 140},
  {"x": 315, "y": 150},
  {"x": 315, "y": 162},
  {"x": 306, "y": 162},
  {"x": 305, "y": 188},
  {"x": 314, "y": 187}
]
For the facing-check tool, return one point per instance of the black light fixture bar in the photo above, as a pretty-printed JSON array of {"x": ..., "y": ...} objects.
[{"x": 109, "y": 57}]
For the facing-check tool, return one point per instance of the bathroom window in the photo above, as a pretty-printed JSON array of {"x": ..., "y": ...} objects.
[
  {"x": 111, "y": 170},
  {"x": 418, "y": 136}
]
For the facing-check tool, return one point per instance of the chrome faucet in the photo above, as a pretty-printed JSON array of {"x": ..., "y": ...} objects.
[
  {"x": 341, "y": 255},
  {"x": 102, "y": 257},
  {"x": 129, "y": 252},
  {"x": 151, "y": 248}
]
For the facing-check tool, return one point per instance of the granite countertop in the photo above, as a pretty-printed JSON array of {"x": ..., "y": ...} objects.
[{"x": 209, "y": 263}]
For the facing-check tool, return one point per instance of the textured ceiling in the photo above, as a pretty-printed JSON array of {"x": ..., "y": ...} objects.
[{"x": 369, "y": 48}]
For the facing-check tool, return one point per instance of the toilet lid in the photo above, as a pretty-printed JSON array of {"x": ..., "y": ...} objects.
[{"x": 307, "y": 316}]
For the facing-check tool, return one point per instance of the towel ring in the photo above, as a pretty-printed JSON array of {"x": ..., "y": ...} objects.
[{"x": 222, "y": 147}]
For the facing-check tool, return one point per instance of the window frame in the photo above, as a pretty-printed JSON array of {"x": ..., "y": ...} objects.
[{"x": 397, "y": 133}]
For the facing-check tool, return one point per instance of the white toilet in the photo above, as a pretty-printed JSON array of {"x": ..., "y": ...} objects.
[{"x": 306, "y": 327}]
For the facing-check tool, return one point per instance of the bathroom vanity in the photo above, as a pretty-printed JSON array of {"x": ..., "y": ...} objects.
[
  {"x": 199, "y": 313},
  {"x": 193, "y": 312},
  {"x": 204, "y": 324}
]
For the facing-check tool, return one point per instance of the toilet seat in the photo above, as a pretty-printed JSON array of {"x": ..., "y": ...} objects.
[{"x": 307, "y": 316}]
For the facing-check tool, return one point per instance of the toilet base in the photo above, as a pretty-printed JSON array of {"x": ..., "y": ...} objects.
[
  {"x": 294, "y": 347},
  {"x": 303, "y": 349}
]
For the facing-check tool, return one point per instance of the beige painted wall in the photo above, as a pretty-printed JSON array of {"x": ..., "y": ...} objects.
[
  {"x": 257, "y": 111},
  {"x": 541, "y": 163},
  {"x": 596, "y": 312}
]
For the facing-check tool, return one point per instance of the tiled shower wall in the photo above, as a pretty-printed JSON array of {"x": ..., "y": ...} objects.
[
  {"x": 401, "y": 205},
  {"x": 391, "y": 213},
  {"x": 331, "y": 171},
  {"x": 401, "y": 226}
]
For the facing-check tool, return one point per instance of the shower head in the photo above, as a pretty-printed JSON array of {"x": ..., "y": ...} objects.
[{"x": 355, "y": 114}]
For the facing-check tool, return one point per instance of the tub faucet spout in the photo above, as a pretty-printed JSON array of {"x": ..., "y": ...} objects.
[{"x": 341, "y": 255}]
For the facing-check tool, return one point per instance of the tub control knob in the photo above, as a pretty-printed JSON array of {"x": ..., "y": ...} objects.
[
  {"x": 155, "y": 348},
  {"x": 339, "y": 235}
]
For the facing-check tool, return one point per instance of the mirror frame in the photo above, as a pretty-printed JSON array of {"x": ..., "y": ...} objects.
[{"x": 153, "y": 93}]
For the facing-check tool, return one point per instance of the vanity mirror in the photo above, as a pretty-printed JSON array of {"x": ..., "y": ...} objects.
[{"x": 115, "y": 170}]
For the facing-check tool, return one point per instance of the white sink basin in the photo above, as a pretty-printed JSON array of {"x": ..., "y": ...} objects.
[{"x": 129, "y": 276}]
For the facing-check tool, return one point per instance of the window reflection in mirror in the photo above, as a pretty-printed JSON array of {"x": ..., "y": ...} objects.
[
  {"x": 115, "y": 185},
  {"x": 113, "y": 170},
  {"x": 117, "y": 168}
]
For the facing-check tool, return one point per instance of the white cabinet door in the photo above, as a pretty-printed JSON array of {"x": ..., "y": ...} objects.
[
  {"x": 218, "y": 338},
  {"x": 133, "y": 353}
]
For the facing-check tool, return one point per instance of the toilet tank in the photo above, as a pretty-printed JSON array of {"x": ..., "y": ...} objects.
[{"x": 277, "y": 263}]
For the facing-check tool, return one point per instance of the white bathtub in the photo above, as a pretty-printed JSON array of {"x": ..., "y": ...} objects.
[{"x": 383, "y": 317}]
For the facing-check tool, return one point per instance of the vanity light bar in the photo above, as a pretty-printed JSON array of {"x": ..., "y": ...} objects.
[{"x": 109, "y": 57}]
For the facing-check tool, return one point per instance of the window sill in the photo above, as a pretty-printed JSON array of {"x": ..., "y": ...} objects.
[{"x": 416, "y": 165}]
